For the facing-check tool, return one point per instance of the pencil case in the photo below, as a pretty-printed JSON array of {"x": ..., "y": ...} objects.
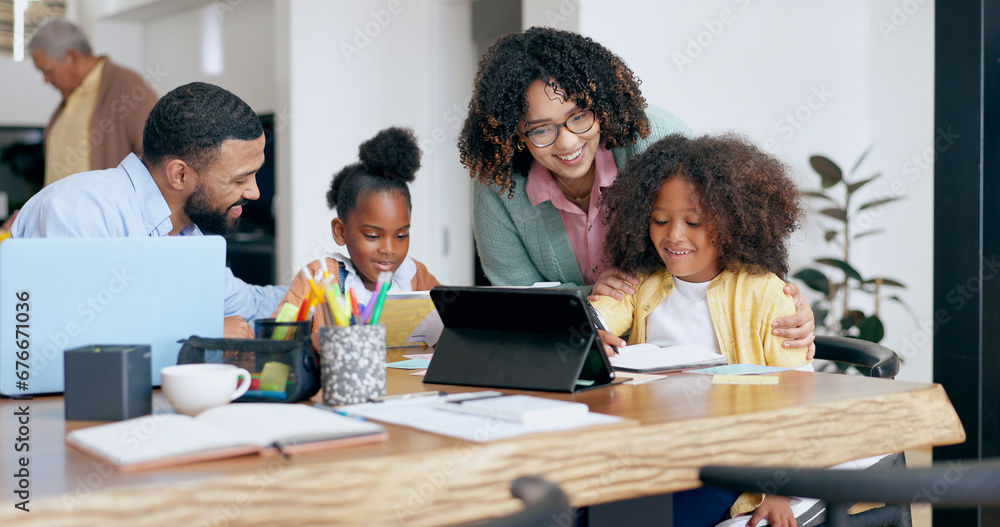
[{"x": 281, "y": 370}]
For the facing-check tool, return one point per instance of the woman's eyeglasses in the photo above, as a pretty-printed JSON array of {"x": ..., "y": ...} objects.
[{"x": 579, "y": 123}]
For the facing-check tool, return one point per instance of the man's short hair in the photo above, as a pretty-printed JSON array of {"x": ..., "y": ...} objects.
[
  {"x": 57, "y": 36},
  {"x": 192, "y": 121}
]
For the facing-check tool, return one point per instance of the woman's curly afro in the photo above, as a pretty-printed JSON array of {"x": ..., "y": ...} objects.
[{"x": 589, "y": 74}]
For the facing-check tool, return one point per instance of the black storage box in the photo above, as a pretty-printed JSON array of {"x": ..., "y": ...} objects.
[{"x": 108, "y": 382}]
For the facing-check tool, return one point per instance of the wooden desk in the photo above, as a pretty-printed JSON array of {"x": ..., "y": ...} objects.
[{"x": 417, "y": 478}]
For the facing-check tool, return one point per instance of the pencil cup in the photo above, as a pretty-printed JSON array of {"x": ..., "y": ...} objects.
[
  {"x": 267, "y": 328},
  {"x": 352, "y": 363}
]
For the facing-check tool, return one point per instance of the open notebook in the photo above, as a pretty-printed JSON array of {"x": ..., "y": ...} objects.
[
  {"x": 646, "y": 358},
  {"x": 231, "y": 430}
]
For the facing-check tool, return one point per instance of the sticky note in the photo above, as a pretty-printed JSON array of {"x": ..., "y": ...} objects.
[
  {"x": 744, "y": 379},
  {"x": 411, "y": 364},
  {"x": 274, "y": 376}
]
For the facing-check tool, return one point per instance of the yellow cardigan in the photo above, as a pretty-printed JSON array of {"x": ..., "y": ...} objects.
[{"x": 742, "y": 306}]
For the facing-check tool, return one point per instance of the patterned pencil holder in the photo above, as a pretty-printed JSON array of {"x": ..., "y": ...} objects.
[{"x": 352, "y": 363}]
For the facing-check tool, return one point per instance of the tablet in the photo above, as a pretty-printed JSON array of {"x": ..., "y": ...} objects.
[{"x": 531, "y": 339}]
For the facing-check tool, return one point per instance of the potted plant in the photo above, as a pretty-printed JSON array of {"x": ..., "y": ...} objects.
[{"x": 839, "y": 210}]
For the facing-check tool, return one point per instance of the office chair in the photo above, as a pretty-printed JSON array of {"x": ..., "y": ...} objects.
[
  {"x": 882, "y": 361},
  {"x": 954, "y": 484},
  {"x": 545, "y": 505}
]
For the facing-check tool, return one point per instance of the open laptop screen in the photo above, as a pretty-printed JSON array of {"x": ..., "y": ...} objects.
[{"x": 61, "y": 293}]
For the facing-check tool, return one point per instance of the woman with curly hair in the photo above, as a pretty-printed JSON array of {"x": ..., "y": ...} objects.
[
  {"x": 704, "y": 224},
  {"x": 553, "y": 116}
]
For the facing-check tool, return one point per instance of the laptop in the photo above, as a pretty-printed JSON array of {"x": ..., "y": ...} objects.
[
  {"x": 62, "y": 293},
  {"x": 527, "y": 339}
]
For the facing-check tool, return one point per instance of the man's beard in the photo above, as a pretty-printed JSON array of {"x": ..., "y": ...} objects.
[{"x": 199, "y": 209}]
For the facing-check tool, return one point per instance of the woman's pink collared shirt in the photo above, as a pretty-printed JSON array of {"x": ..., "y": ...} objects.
[{"x": 585, "y": 231}]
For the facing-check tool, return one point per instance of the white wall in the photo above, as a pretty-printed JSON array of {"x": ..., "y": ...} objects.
[
  {"x": 872, "y": 61},
  {"x": 174, "y": 46},
  {"x": 748, "y": 66},
  {"x": 25, "y": 99},
  {"x": 354, "y": 68}
]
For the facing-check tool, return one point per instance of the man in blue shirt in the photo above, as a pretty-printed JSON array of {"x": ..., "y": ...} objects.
[{"x": 202, "y": 149}]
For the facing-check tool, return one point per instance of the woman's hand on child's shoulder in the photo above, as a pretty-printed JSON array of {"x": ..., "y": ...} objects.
[
  {"x": 777, "y": 511},
  {"x": 798, "y": 328},
  {"x": 613, "y": 283}
]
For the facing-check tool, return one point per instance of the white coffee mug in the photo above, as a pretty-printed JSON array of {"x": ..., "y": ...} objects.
[{"x": 193, "y": 388}]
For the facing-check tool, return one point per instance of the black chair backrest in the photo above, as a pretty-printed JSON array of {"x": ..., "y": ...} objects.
[{"x": 884, "y": 362}]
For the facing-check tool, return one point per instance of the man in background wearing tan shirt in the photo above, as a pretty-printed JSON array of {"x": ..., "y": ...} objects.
[{"x": 104, "y": 107}]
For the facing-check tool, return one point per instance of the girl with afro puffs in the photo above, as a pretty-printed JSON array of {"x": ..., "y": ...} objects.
[
  {"x": 372, "y": 200},
  {"x": 703, "y": 223}
]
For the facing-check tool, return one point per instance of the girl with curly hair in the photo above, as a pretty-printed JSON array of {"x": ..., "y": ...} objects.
[
  {"x": 704, "y": 224},
  {"x": 553, "y": 116},
  {"x": 372, "y": 200}
]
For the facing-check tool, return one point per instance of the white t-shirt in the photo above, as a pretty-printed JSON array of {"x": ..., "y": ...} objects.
[
  {"x": 402, "y": 279},
  {"x": 683, "y": 318}
]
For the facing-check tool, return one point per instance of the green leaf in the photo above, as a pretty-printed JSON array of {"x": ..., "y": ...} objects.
[
  {"x": 858, "y": 184},
  {"x": 871, "y": 329},
  {"x": 878, "y": 202},
  {"x": 829, "y": 173},
  {"x": 843, "y": 266},
  {"x": 830, "y": 235},
  {"x": 814, "y": 279},
  {"x": 861, "y": 159},
  {"x": 885, "y": 281},
  {"x": 814, "y": 194},
  {"x": 868, "y": 233},
  {"x": 837, "y": 213}
]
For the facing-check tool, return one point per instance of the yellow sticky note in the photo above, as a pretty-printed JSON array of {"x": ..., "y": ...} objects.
[
  {"x": 744, "y": 379},
  {"x": 274, "y": 376}
]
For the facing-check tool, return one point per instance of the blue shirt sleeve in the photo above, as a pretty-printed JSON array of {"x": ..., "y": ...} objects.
[{"x": 251, "y": 301}]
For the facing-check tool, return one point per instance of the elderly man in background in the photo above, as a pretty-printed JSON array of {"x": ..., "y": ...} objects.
[{"x": 100, "y": 119}]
